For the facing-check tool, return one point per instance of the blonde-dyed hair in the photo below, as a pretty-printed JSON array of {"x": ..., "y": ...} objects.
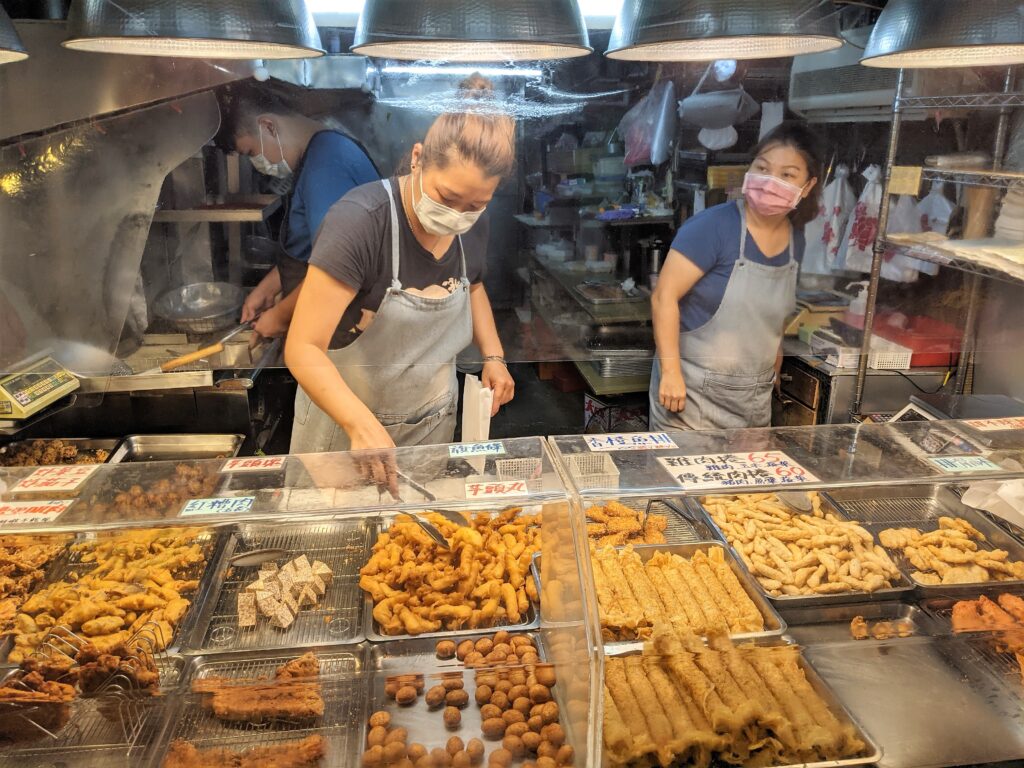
[{"x": 479, "y": 132}]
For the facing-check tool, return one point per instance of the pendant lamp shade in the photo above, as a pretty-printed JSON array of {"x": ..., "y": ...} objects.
[
  {"x": 947, "y": 33},
  {"x": 216, "y": 29},
  {"x": 472, "y": 30},
  {"x": 11, "y": 48},
  {"x": 706, "y": 30}
]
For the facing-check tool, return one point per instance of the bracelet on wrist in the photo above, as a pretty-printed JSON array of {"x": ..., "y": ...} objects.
[{"x": 495, "y": 359}]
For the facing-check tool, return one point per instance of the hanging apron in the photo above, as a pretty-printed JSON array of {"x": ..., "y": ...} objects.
[
  {"x": 402, "y": 367},
  {"x": 729, "y": 362}
]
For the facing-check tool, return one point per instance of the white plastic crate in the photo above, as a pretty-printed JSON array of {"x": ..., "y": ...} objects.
[
  {"x": 593, "y": 470},
  {"x": 888, "y": 356}
]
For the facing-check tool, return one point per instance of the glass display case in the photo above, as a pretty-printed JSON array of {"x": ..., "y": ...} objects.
[
  {"x": 802, "y": 596},
  {"x": 174, "y": 607}
]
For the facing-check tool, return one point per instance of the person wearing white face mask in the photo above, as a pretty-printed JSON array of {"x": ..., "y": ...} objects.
[
  {"x": 726, "y": 289},
  {"x": 313, "y": 165},
  {"x": 398, "y": 267}
]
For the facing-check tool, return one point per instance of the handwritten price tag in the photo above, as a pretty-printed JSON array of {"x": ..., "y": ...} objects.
[
  {"x": 56, "y": 479},
  {"x": 31, "y": 512},
  {"x": 462, "y": 450},
  {"x": 905, "y": 180},
  {"x": 496, "y": 489},
  {"x": 996, "y": 425},
  {"x": 726, "y": 470},
  {"x": 254, "y": 464},
  {"x": 953, "y": 465},
  {"x": 631, "y": 441},
  {"x": 231, "y": 506}
]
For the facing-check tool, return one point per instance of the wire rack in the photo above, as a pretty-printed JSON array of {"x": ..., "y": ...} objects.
[
  {"x": 342, "y": 687},
  {"x": 336, "y": 618},
  {"x": 964, "y": 101},
  {"x": 899, "y": 509}
]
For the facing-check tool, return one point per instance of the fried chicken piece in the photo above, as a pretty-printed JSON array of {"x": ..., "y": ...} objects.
[
  {"x": 1013, "y": 605},
  {"x": 965, "y": 574},
  {"x": 306, "y": 665},
  {"x": 956, "y": 524},
  {"x": 56, "y": 668},
  {"x": 859, "y": 628}
]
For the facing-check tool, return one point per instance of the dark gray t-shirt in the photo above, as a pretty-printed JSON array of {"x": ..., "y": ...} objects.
[{"x": 354, "y": 246}]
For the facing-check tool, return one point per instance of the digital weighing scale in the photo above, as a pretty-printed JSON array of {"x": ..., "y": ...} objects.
[
  {"x": 814, "y": 309},
  {"x": 38, "y": 385}
]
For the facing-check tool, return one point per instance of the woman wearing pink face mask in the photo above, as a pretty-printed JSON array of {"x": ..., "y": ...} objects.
[{"x": 726, "y": 288}]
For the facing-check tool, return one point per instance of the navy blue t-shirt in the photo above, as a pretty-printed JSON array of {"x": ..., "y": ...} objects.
[
  {"x": 711, "y": 240},
  {"x": 333, "y": 165}
]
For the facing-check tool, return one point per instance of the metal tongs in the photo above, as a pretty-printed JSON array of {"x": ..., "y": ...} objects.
[{"x": 429, "y": 528}]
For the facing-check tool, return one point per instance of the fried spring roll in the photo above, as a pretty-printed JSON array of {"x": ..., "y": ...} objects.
[
  {"x": 693, "y": 583},
  {"x": 633, "y": 568},
  {"x": 670, "y": 598},
  {"x": 729, "y": 607},
  {"x": 610, "y": 610},
  {"x": 750, "y": 619},
  {"x": 618, "y": 743},
  {"x": 632, "y": 613},
  {"x": 628, "y": 708},
  {"x": 658, "y": 724},
  {"x": 692, "y": 743},
  {"x": 691, "y": 610}
]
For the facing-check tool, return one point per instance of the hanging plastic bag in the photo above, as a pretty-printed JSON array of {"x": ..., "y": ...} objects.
[
  {"x": 862, "y": 229},
  {"x": 648, "y": 128},
  {"x": 825, "y": 235},
  {"x": 934, "y": 211}
]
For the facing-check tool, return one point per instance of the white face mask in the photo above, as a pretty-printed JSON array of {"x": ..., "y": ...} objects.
[
  {"x": 279, "y": 170},
  {"x": 441, "y": 220}
]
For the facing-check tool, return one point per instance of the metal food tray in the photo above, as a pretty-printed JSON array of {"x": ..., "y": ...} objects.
[
  {"x": 373, "y": 629},
  {"x": 109, "y": 445},
  {"x": 774, "y": 625},
  {"x": 337, "y": 618},
  {"x": 92, "y": 737},
  {"x": 785, "y": 602},
  {"x": 177, "y": 447},
  {"x": 212, "y": 541},
  {"x": 603, "y": 292},
  {"x": 920, "y": 507},
  {"x": 832, "y": 701},
  {"x": 424, "y": 725},
  {"x": 342, "y": 686},
  {"x": 831, "y": 623}
]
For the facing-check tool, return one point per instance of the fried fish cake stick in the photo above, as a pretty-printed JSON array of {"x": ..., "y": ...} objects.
[
  {"x": 690, "y": 581},
  {"x": 612, "y": 616},
  {"x": 657, "y": 722},
  {"x": 618, "y": 743},
  {"x": 647, "y": 595},
  {"x": 689, "y": 742},
  {"x": 674, "y": 606},
  {"x": 750, "y": 619},
  {"x": 631, "y": 609},
  {"x": 628, "y": 708},
  {"x": 721, "y": 598}
]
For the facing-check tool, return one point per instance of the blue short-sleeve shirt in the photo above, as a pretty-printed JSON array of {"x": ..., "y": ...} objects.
[
  {"x": 711, "y": 240},
  {"x": 332, "y": 166}
]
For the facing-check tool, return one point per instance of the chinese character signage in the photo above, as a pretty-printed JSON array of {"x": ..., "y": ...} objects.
[
  {"x": 31, "y": 512},
  {"x": 492, "y": 490},
  {"x": 464, "y": 450},
  {"x": 996, "y": 425},
  {"x": 229, "y": 506},
  {"x": 725, "y": 470},
  {"x": 254, "y": 464},
  {"x": 55, "y": 479},
  {"x": 631, "y": 441},
  {"x": 957, "y": 464}
]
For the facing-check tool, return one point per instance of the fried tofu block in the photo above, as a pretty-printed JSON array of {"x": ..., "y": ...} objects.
[
  {"x": 268, "y": 604},
  {"x": 322, "y": 570},
  {"x": 283, "y": 617},
  {"x": 246, "y": 610}
]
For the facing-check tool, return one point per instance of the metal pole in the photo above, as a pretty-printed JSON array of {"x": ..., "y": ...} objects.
[
  {"x": 970, "y": 344},
  {"x": 879, "y": 249}
]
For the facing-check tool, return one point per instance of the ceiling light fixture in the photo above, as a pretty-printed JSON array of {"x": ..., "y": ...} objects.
[
  {"x": 706, "y": 30},
  {"x": 214, "y": 29},
  {"x": 941, "y": 33},
  {"x": 472, "y": 30},
  {"x": 11, "y": 48}
]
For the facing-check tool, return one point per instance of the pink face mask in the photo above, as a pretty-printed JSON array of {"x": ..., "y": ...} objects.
[{"x": 770, "y": 195}]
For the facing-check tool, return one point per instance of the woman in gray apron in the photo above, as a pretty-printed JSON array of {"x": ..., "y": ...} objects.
[
  {"x": 394, "y": 382},
  {"x": 726, "y": 289}
]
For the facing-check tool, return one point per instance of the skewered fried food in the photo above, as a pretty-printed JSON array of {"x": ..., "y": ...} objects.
[
  {"x": 801, "y": 554},
  {"x": 953, "y": 554},
  {"x": 702, "y": 591},
  {"x": 128, "y": 582},
  {"x": 482, "y": 581}
]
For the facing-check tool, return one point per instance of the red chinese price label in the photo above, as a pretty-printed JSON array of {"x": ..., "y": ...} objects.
[
  {"x": 32, "y": 512},
  {"x": 479, "y": 490},
  {"x": 735, "y": 470},
  {"x": 254, "y": 464},
  {"x": 55, "y": 479}
]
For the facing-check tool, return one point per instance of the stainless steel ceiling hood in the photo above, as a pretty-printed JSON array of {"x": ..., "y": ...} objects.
[
  {"x": 224, "y": 29},
  {"x": 472, "y": 30}
]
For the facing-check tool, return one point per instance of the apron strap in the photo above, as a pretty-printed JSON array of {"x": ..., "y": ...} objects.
[
  {"x": 395, "y": 236},
  {"x": 743, "y": 234},
  {"x": 464, "y": 275}
]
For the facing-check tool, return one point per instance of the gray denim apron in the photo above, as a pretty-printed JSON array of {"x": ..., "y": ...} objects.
[
  {"x": 402, "y": 367},
  {"x": 729, "y": 362}
]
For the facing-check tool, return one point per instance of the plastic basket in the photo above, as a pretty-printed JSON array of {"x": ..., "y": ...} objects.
[
  {"x": 887, "y": 356},
  {"x": 593, "y": 470},
  {"x": 530, "y": 470}
]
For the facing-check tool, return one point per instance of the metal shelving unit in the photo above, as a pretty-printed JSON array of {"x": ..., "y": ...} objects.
[
  {"x": 1005, "y": 101},
  {"x": 948, "y": 259}
]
